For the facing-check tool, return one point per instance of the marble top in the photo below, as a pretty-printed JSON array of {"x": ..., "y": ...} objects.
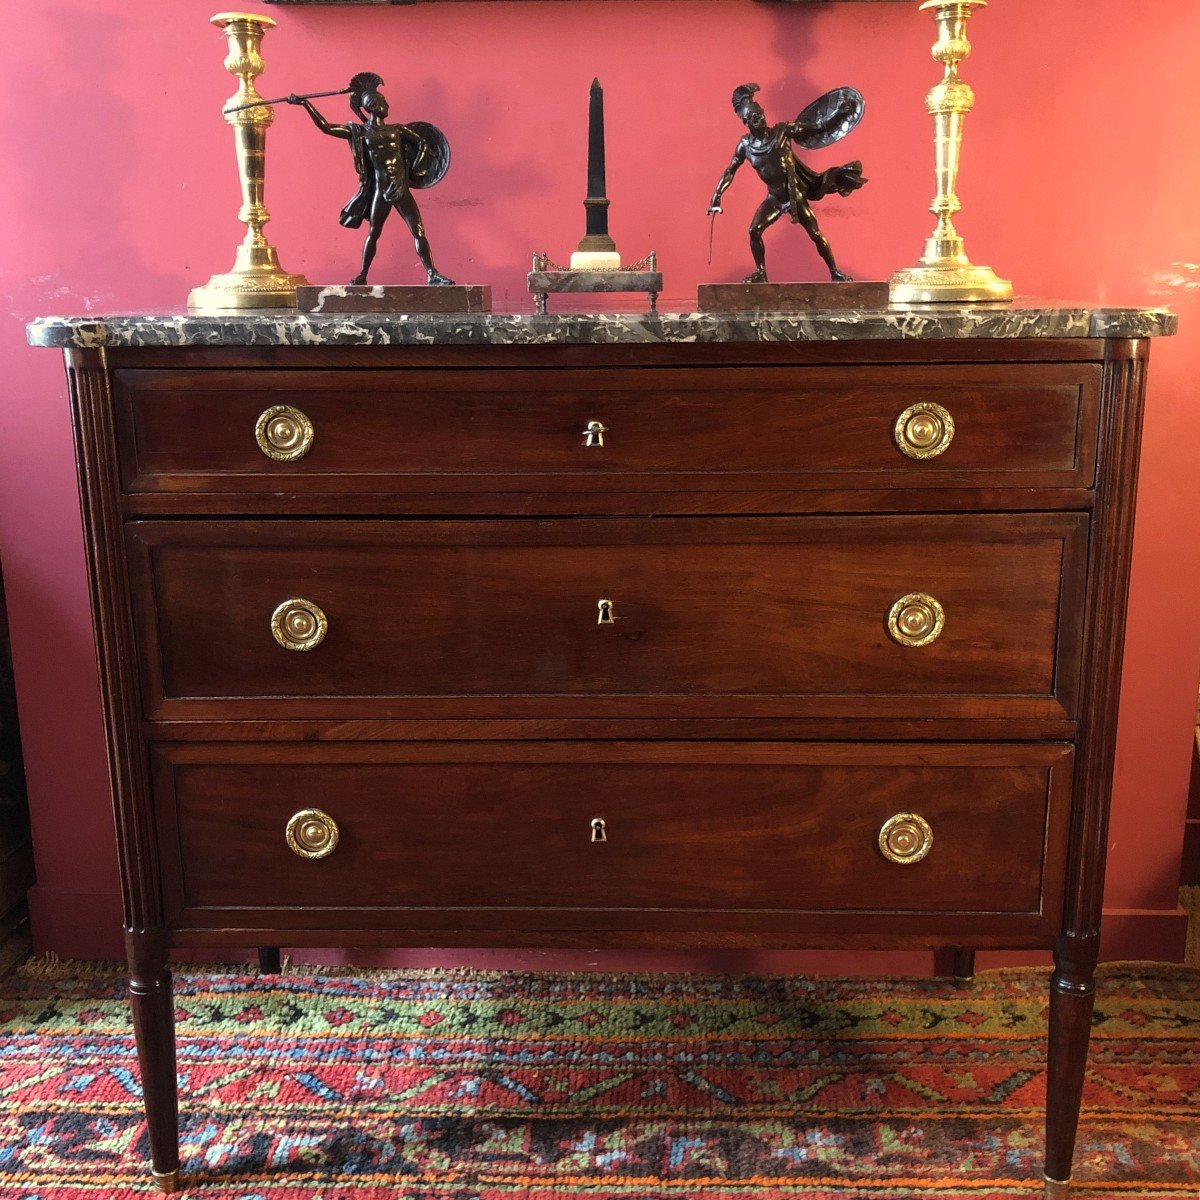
[{"x": 277, "y": 327}]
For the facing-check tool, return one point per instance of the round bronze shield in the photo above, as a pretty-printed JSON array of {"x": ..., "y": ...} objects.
[
  {"x": 437, "y": 162},
  {"x": 834, "y": 114}
]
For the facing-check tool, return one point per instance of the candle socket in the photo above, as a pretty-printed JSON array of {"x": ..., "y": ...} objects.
[
  {"x": 944, "y": 273},
  {"x": 256, "y": 280}
]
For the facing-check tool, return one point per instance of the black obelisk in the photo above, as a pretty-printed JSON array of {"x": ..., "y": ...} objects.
[{"x": 596, "y": 249}]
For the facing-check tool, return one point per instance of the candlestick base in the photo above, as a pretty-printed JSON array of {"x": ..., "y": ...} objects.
[
  {"x": 235, "y": 293},
  {"x": 950, "y": 283},
  {"x": 261, "y": 284}
]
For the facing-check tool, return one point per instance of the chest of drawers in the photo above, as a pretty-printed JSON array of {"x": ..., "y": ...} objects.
[{"x": 631, "y": 639}]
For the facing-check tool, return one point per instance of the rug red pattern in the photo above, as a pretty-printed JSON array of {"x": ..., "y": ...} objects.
[{"x": 479, "y": 1086}]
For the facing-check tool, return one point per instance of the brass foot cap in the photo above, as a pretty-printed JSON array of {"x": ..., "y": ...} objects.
[
  {"x": 166, "y": 1181},
  {"x": 1057, "y": 1189}
]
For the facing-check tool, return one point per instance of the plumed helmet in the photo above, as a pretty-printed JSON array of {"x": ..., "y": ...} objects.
[
  {"x": 361, "y": 86},
  {"x": 743, "y": 95}
]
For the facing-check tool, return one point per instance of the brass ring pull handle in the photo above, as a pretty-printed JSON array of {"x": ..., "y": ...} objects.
[
  {"x": 905, "y": 838},
  {"x": 916, "y": 619},
  {"x": 298, "y": 625},
  {"x": 312, "y": 833},
  {"x": 284, "y": 433},
  {"x": 593, "y": 435},
  {"x": 924, "y": 430}
]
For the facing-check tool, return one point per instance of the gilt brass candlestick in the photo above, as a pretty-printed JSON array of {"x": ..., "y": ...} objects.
[
  {"x": 945, "y": 274},
  {"x": 256, "y": 280}
]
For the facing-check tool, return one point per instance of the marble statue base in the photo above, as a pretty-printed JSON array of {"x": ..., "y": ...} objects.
[
  {"x": 789, "y": 297},
  {"x": 389, "y": 298}
]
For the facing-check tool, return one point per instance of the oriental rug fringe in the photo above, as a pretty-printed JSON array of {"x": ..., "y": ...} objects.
[{"x": 480, "y": 1086}]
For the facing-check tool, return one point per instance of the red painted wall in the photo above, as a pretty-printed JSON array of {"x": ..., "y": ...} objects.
[{"x": 1080, "y": 181}]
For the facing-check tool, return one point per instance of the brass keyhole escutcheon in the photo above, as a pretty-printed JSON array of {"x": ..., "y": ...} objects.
[
  {"x": 284, "y": 433},
  {"x": 599, "y": 829},
  {"x": 593, "y": 435},
  {"x": 299, "y": 625},
  {"x": 605, "y": 613},
  {"x": 905, "y": 838},
  {"x": 312, "y": 833},
  {"x": 916, "y": 619},
  {"x": 924, "y": 430}
]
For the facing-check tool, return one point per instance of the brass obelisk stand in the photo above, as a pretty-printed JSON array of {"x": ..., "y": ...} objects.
[
  {"x": 945, "y": 274},
  {"x": 257, "y": 280}
]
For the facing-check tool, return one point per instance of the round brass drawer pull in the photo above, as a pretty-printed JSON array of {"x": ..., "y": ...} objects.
[
  {"x": 284, "y": 433},
  {"x": 916, "y": 619},
  {"x": 924, "y": 430},
  {"x": 299, "y": 625},
  {"x": 312, "y": 833},
  {"x": 905, "y": 838}
]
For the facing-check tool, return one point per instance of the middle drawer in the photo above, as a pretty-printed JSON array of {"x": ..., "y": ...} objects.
[{"x": 921, "y": 616}]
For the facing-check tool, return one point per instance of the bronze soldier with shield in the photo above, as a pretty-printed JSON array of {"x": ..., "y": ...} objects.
[
  {"x": 391, "y": 161},
  {"x": 792, "y": 186}
]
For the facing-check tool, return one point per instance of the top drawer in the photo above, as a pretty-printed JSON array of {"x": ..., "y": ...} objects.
[{"x": 721, "y": 429}]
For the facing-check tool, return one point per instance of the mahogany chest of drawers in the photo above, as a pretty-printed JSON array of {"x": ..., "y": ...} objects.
[{"x": 739, "y": 643}]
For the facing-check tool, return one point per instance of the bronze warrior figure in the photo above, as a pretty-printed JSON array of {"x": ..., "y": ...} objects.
[
  {"x": 390, "y": 160},
  {"x": 791, "y": 186}
]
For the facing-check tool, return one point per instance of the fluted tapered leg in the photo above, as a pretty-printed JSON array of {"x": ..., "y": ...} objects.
[
  {"x": 1072, "y": 998},
  {"x": 154, "y": 1031}
]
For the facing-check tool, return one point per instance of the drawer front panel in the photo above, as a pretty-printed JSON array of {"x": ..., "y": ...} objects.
[
  {"x": 555, "y": 618},
  {"x": 729, "y": 827},
  {"x": 717, "y": 429}
]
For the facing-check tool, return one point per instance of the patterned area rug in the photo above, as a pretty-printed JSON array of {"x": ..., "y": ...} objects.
[{"x": 470, "y": 1086}]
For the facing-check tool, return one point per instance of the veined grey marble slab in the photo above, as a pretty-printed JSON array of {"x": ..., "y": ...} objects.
[{"x": 289, "y": 328}]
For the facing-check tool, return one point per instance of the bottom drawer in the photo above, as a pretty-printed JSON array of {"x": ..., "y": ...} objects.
[{"x": 571, "y": 834}]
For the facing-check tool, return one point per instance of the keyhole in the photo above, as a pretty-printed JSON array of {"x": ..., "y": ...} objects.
[
  {"x": 605, "y": 614},
  {"x": 599, "y": 830},
  {"x": 593, "y": 435}
]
